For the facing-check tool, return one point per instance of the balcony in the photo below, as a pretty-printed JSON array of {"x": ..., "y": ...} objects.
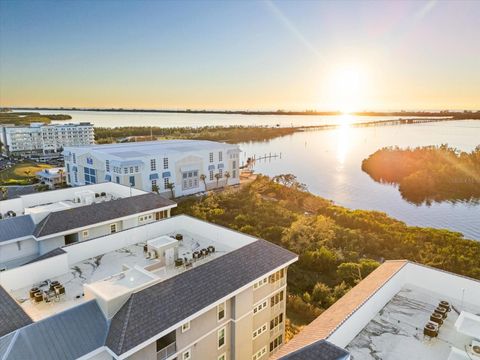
[
  {"x": 166, "y": 346},
  {"x": 167, "y": 351}
]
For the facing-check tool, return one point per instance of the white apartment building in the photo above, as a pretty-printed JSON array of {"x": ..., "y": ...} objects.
[
  {"x": 35, "y": 225},
  {"x": 190, "y": 165},
  {"x": 39, "y": 138},
  {"x": 179, "y": 288}
]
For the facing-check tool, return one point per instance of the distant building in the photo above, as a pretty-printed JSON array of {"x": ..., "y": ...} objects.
[
  {"x": 52, "y": 177},
  {"x": 402, "y": 310},
  {"x": 35, "y": 224},
  {"x": 42, "y": 139},
  {"x": 179, "y": 288},
  {"x": 146, "y": 165}
]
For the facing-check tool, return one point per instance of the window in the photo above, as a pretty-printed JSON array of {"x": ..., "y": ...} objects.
[
  {"x": 107, "y": 165},
  {"x": 260, "y": 283},
  {"x": 125, "y": 170},
  {"x": 275, "y": 299},
  {"x": 117, "y": 179},
  {"x": 132, "y": 181},
  {"x": 221, "y": 312},
  {"x": 113, "y": 228},
  {"x": 89, "y": 161},
  {"x": 211, "y": 157},
  {"x": 131, "y": 169},
  {"x": 186, "y": 327},
  {"x": 136, "y": 169},
  {"x": 259, "y": 353},
  {"x": 260, "y": 307},
  {"x": 220, "y": 156},
  {"x": 280, "y": 274},
  {"x": 85, "y": 234},
  {"x": 211, "y": 175},
  {"x": 153, "y": 164},
  {"x": 221, "y": 337},
  {"x": 74, "y": 158},
  {"x": 166, "y": 181},
  {"x": 75, "y": 175},
  {"x": 234, "y": 164},
  {"x": 187, "y": 355},
  {"x": 90, "y": 176},
  {"x": 165, "y": 163},
  {"x": 276, "y": 343},
  {"x": 220, "y": 172},
  {"x": 260, "y": 330},
  {"x": 222, "y": 357},
  {"x": 234, "y": 174},
  {"x": 277, "y": 320}
]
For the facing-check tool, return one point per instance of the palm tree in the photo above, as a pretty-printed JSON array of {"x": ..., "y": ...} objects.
[
  {"x": 203, "y": 177},
  {"x": 4, "y": 192},
  {"x": 61, "y": 172},
  {"x": 171, "y": 186},
  {"x": 218, "y": 177},
  {"x": 227, "y": 176},
  {"x": 155, "y": 188}
]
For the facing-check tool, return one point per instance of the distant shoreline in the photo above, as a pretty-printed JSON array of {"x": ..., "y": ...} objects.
[{"x": 453, "y": 114}]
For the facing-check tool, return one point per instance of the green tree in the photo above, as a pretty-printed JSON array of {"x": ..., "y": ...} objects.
[
  {"x": 227, "y": 176},
  {"x": 203, "y": 178}
]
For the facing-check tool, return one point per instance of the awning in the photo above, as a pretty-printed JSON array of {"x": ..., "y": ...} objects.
[
  {"x": 166, "y": 174},
  {"x": 211, "y": 167},
  {"x": 154, "y": 176},
  {"x": 108, "y": 178},
  {"x": 220, "y": 166}
]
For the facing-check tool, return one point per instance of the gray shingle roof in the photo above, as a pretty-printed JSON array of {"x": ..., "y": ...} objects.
[
  {"x": 67, "y": 335},
  {"x": 51, "y": 253},
  {"x": 319, "y": 350},
  {"x": 16, "y": 227},
  {"x": 65, "y": 220},
  {"x": 160, "y": 306},
  {"x": 12, "y": 316}
]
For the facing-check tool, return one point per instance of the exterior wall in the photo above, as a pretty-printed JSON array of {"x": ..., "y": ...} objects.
[
  {"x": 39, "y": 138},
  {"x": 47, "y": 245},
  {"x": 149, "y": 352},
  {"x": 120, "y": 170},
  {"x": 18, "y": 249}
]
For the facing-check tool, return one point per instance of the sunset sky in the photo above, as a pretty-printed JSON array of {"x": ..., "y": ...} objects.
[{"x": 256, "y": 55}]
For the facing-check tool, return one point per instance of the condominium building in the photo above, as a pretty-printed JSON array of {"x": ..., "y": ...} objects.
[
  {"x": 34, "y": 225},
  {"x": 402, "y": 310},
  {"x": 179, "y": 288},
  {"x": 39, "y": 138},
  {"x": 178, "y": 167}
]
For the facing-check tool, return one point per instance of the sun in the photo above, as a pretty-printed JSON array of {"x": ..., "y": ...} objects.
[{"x": 346, "y": 87}]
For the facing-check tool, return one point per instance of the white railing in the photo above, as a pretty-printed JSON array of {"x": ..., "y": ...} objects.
[
  {"x": 276, "y": 330},
  {"x": 167, "y": 351}
]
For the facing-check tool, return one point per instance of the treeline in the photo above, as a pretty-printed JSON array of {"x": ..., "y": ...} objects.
[
  {"x": 26, "y": 118},
  {"x": 337, "y": 247},
  {"x": 427, "y": 174},
  {"x": 230, "y": 134}
]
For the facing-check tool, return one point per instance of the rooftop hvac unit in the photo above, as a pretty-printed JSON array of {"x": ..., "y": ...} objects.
[{"x": 430, "y": 329}]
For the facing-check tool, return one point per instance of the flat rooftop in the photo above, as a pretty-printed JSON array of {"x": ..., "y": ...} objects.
[
  {"x": 148, "y": 148},
  {"x": 396, "y": 332},
  {"x": 117, "y": 272}
]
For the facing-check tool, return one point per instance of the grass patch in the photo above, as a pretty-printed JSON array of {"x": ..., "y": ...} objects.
[{"x": 21, "y": 174}]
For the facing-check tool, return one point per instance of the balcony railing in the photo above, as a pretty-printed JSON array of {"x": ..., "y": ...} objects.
[{"x": 167, "y": 351}]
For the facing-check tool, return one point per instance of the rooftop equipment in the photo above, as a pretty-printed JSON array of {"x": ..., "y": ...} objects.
[
  {"x": 436, "y": 318},
  {"x": 430, "y": 329},
  {"x": 445, "y": 305},
  {"x": 441, "y": 311}
]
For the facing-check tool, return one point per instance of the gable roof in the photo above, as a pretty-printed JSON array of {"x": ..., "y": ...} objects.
[
  {"x": 65, "y": 336},
  {"x": 320, "y": 350},
  {"x": 12, "y": 316},
  {"x": 16, "y": 227},
  {"x": 81, "y": 216},
  {"x": 153, "y": 310}
]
